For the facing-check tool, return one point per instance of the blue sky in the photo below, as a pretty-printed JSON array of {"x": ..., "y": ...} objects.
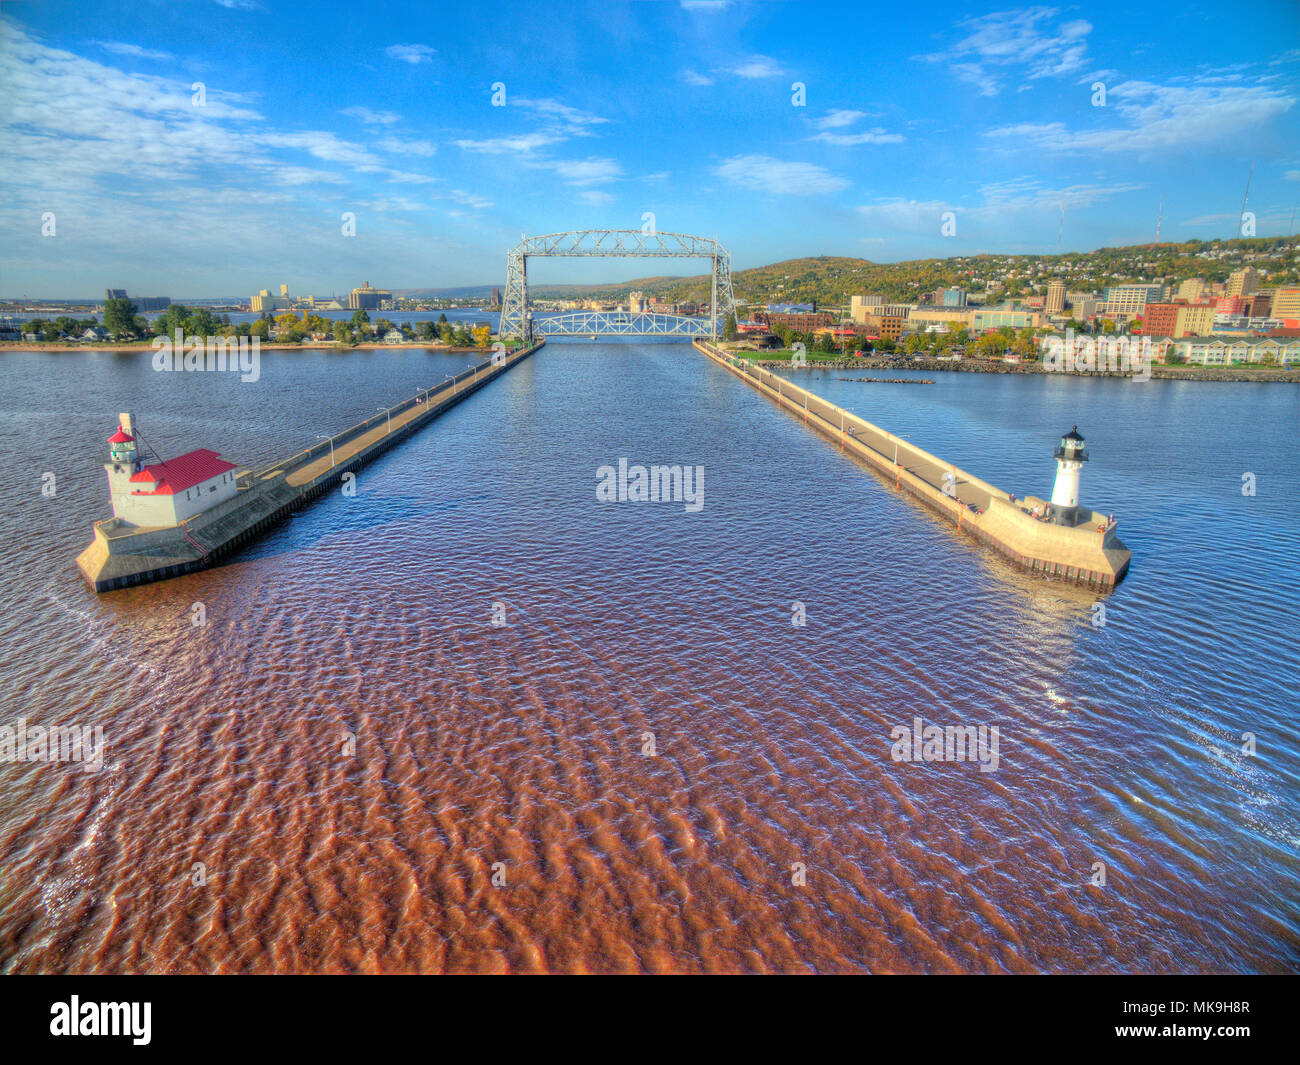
[{"x": 613, "y": 109}]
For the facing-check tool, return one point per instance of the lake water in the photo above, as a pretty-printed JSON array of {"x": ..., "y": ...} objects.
[{"x": 648, "y": 767}]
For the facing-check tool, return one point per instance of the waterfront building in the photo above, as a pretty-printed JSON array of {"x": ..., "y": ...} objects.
[
  {"x": 1286, "y": 304},
  {"x": 939, "y": 319},
  {"x": 861, "y": 306},
  {"x": 1083, "y": 305},
  {"x": 1229, "y": 305},
  {"x": 168, "y": 492},
  {"x": 1243, "y": 282},
  {"x": 1240, "y": 324},
  {"x": 953, "y": 296},
  {"x": 1260, "y": 305},
  {"x": 1132, "y": 300},
  {"x": 1055, "y": 303},
  {"x": 366, "y": 298},
  {"x": 264, "y": 302},
  {"x": 890, "y": 320},
  {"x": 984, "y": 319},
  {"x": 142, "y": 303},
  {"x": 1192, "y": 290},
  {"x": 800, "y": 322},
  {"x": 1178, "y": 318},
  {"x": 1225, "y": 351}
]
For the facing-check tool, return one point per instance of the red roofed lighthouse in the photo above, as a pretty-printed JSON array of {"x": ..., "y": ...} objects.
[{"x": 168, "y": 492}]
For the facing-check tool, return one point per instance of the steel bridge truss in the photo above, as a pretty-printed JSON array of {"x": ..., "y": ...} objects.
[
  {"x": 517, "y": 320},
  {"x": 619, "y": 324}
]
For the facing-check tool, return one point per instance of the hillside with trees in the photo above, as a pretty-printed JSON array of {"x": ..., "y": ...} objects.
[{"x": 831, "y": 280}]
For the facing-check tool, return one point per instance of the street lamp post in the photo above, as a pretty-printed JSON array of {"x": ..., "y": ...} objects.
[
  {"x": 389, "y": 412},
  {"x": 321, "y": 436},
  {"x": 896, "y": 436}
]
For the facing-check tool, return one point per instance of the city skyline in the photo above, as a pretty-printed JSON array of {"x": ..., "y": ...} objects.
[{"x": 230, "y": 166}]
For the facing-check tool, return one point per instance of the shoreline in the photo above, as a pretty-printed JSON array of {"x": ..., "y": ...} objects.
[
  {"x": 1218, "y": 374},
  {"x": 122, "y": 349}
]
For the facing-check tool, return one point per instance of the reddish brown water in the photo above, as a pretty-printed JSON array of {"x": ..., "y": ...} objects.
[{"x": 227, "y": 744}]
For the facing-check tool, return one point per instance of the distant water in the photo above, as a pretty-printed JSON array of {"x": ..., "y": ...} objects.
[{"x": 328, "y": 774}]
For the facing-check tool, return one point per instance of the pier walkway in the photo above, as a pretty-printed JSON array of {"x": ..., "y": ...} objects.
[
  {"x": 122, "y": 554},
  {"x": 1088, "y": 552}
]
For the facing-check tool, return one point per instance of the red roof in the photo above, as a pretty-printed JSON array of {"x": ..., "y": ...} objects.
[
  {"x": 120, "y": 437},
  {"x": 182, "y": 472}
]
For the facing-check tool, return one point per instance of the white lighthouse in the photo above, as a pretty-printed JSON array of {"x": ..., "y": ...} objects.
[
  {"x": 124, "y": 460},
  {"x": 1070, "y": 457}
]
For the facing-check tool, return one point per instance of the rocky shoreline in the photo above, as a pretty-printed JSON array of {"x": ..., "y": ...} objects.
[{"x": 1160, "y": 373}]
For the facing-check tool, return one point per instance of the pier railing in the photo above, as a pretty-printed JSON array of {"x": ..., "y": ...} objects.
[{"x": 447, "y": 388}]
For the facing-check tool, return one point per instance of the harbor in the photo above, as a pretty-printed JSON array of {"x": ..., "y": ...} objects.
[
  {"x": 1079, "y": 546},
  {"x": 125, "y": 553},
  {"x": 372, "y": 616}
]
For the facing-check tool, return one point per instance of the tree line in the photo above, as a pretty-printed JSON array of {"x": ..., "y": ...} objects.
[{"x": 123, "y": 322}]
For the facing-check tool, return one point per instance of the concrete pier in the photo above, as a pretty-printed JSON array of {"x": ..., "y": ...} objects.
[
  {"x": 1088, "y": 552},
  {"x": 123, "y": 554}
]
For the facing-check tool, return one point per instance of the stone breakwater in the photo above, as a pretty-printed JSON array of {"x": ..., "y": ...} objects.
[
  {"x": 1089, "y": 552},
  {"x": 1163, "y": 373},
  {"x": 889, "y": 380},
  {"x": 122, "y": 554}
]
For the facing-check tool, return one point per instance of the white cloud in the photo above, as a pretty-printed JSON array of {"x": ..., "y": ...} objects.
[
  {"x": 1020, "y": 205},
  {"x": 371, "y": 118},
  {"x": 705, "y": 5},
  {"x": 241, "y": 5},
  {"x": 522, "y": 143},
  {"x": 133, "y": 50},
  {"x": 838, "y": 119},
  {"x": 1008, "y": 39},
  {"x": 758, "y": 66},
  {"x": 411, "y": 53},
  {"x": 555, "y": 122},
  {"x": 582, "y": 172},
  {"x": 870, "y": 136},
  {"x": 406, "y": 146},
  {"x": 692, "y": 77},
  {"x": 1159, "y": 118},
  {"x": 560, "y": 118},
  {"x": 766, "y": 174},
  {"x": 464, "y": 199},
  {"x": 322, "y": 145},
  {"x": 396, "y": 203},
  {"x": 1293, "y": 175}
]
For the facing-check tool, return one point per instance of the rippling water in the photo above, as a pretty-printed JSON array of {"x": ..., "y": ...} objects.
[{"x": 354, "y": 752}]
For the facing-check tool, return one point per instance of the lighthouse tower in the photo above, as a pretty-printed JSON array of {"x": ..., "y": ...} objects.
[
  {"x": 1070, "y": 457},
  {"x": 123, "y": 463}
]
